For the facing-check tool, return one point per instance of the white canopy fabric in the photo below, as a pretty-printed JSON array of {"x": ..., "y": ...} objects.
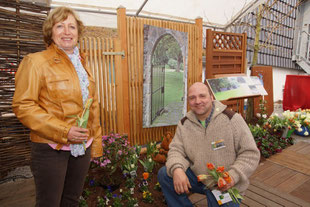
[{"x": 213, "y": 12}]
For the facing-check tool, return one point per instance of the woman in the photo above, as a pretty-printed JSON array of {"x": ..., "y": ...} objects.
[{"x": 52, "y": 88}]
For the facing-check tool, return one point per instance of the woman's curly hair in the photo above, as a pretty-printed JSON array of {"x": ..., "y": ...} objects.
[{"x": 57, "y": 15}]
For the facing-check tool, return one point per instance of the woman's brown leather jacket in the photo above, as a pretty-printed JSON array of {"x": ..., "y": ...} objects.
[{"x": 48, "y": 93}]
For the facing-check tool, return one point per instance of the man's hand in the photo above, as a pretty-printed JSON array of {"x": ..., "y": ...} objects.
[
  {"x": 180, "y": 181},
  {"x": 229, "y": 185}
]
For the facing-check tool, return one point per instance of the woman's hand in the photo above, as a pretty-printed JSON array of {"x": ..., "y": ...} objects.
[
  {"x": 180, "y": 181},
  {"x": 77, "y": 135}
]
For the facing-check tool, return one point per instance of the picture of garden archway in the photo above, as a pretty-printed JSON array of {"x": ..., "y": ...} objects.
[{"x": 165, "y": 76}]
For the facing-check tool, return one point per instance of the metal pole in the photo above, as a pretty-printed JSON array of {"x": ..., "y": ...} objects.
[{"x": 141, "y": 7}]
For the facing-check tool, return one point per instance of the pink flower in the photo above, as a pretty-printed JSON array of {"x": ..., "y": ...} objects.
[{"x": 111, "y": 140}]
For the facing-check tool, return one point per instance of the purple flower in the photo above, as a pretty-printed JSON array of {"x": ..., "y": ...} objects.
[
  {"x": 111, "y": 140},
  {"x": 91, "y": 182}
]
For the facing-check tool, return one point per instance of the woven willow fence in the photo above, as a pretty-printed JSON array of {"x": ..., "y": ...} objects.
[{"x": 20, "y": 34}]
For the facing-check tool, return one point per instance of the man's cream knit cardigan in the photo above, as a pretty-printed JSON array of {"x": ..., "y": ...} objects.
[{"x": 191, "y": 146}]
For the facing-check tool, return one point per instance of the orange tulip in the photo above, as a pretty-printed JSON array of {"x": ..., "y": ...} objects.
[
  {"x": 210, "y": 166},
  {"x": 227, "y": 177},
  {"x": 220, "y": 169},
  {"x": 145, "y": 175},
  {"x": 221, "y": 182}
]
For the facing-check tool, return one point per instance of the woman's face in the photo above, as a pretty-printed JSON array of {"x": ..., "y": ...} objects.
[{"x": 65, "y": 34}]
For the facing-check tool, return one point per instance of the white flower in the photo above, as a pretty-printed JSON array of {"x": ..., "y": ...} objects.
[
  {"x": 258, "y": 115},
  {"x": 107, "y": 201},
  {"x": 132, "y": 190},
  {"x": 264, "y": 116},
  {"x": 299, "y": 129},
  {"x": 132, "y": 166},
  {"x": 276, "y": 114},
  {"x": 306, "y": 133},
  {"x": 150, "y": 160},
  {"x": 120, "y": 190}
]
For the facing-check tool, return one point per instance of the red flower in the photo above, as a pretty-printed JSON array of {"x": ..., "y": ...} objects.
[
  {"x": 145, "y": 175},
  {"x": 227, "y": 177},
  {"x": 221, "y": 182},
  {"x": 220, "y": 169},
  {"x": 210, "y": 166}
]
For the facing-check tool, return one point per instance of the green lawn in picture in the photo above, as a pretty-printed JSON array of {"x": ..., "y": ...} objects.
[
  {"x": 174, "y": 88},
  {"x": 228, "y": 94}
]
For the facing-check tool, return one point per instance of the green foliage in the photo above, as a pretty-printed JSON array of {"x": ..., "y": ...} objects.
[
  {"x": 268, "y": 133},
  {"x": 147, "y": 197},
  {"x": 148, "y": 164},
  {"x": 262, "y": 116},
  {"x": 166, "y": 49},
  {"x": 82, "y": 202},
  {"x": 151, "y": 149},
  {"x": 157, "y": 187},
  {"x": 258, "y": 131},
  {"x": 174, "y": 87},
  {"x": 116, "y": 152},
  {"x": 100, "y": 202}
]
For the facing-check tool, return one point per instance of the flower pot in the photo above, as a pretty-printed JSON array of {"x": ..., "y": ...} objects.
[{"x": 305, "y": 132}]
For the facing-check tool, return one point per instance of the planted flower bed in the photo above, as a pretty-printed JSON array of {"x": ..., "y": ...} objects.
[
  {"x": 123, "y": 176},
  {"x": 272, "y": 134}
]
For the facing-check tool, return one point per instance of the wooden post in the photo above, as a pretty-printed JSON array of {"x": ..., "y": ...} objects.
[
  {"x": 119, "y": 90},
  {"x": 124, "y": 84},
  {"x": 198, "y": 22},
  {"x": 209, "y": 55},
  {"x": 264, "y": 72},
  {"x": 244, "y": 60}
]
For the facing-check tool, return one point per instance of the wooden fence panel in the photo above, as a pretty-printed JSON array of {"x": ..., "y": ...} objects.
[
  {"x": 226, "y": 54},
  {"x": 102, "y": 61},
  {"x": 135, "y": 25},
  {"x": 265, "y": 73}
]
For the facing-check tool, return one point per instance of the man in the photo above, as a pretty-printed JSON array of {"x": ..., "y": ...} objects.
[{"x": 192, "y": 147}]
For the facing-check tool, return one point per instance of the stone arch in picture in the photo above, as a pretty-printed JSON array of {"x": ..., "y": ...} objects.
[{"x": 152, "y": 35}]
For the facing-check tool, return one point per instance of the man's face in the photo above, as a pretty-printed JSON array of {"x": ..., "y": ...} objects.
[{"x": 200, "y": 100}]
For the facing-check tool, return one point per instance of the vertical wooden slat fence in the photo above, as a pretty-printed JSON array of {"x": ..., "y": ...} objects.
[{"x": 102, "y": 63}]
